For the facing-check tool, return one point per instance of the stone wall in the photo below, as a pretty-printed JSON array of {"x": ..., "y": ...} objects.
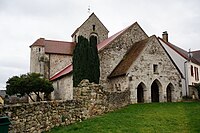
[
  {"x": 86, "y": 29},
  {"x": 35, "y": 64},
  {"x": 58, "y": 62},
  {"x": 112, "y": 54},
  {"x": 119, "y": 83},
  {"x": 142, "y": 71},
  {"x": 63, "y": 88},
  {"x": 89, "y": 100},
  {"x": 42, "y": 116}
]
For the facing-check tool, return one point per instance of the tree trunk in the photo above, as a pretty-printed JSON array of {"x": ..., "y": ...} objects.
[
  {"x": 37, "y": 94},
  {"x": 30, "y": 97}
]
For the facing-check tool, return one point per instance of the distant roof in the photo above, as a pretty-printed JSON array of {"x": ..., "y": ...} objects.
[
  {"x": 100, "y": 46},
  {"x": 128, "y": 59},
  {"x": 87, "y": 20},
  {"x": 196, "y": 55},
  {"x": 195, "y": 59},
  {"x": 55, "y": 47},
  {"x": 3, "y": 93}
]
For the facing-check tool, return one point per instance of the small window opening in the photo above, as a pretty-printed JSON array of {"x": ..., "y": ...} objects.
[
  {"x": 155, "y": 68},
  {"x": 196, "y": 73},
  {"x": 130, "y": 78},
  {"x": 192, "y": 73},
  {"x": 93, "y": 27},
  {"x": 39, "y": 49}
]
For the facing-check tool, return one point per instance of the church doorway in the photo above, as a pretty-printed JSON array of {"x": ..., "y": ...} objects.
[
  {"x": 169, "y": 92},
  {"x": 140, "y": 93},
  {"x": 154, "y": 92}
]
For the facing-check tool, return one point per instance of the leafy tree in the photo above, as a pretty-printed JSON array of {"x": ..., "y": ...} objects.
[
  {"x": 27, "y": 84},
  {"x": 86, "y": 61}
]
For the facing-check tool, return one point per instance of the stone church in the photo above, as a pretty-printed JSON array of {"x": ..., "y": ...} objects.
[{"x": 129, "y": 59}]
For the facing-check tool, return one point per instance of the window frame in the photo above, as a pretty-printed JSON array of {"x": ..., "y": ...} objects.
[{"x": 155, "y": 68}]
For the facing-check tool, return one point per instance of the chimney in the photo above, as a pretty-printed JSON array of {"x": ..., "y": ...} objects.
[{"x": 165, "y": 36}]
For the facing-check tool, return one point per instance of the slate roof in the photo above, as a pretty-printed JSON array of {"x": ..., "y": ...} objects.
[
  {"x": 128, "y": 59},
  {"x": 196, "y": 54},
  {"x": 55, "y": 47},
  {"x": 100, "y": 46}
]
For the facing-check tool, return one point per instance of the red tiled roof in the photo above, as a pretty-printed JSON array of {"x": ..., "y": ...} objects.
[
  {"x": 128, "y": 59},
  {"x": 180, "y": 51},
  {"x": 59, "y": 47},
  {"x": 100, "y": 46},
  {"x": 63, "y": 72},
  {"x": 55, "y": 47},
  {"x": 39, "y": 42}
]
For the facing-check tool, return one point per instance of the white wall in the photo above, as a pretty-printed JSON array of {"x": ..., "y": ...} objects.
[
  {"x": 181, "y": 63},
  {"x": 191, "y": 79}
]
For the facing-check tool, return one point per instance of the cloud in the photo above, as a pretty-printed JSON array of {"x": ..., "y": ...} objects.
[{"x": 24, "y": 21}]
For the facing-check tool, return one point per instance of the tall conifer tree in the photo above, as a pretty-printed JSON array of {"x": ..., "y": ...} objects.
[{"x": 86, "y": 61}]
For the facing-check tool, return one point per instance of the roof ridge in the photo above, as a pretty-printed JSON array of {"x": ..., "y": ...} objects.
[
  {"x": 195, "y": 51},
  {"x": 116, "y": 35},
  {"x": 179, "y": 52},
  {"x": 169, "y": 44},
  {"x": 170, "y": 57},
  {"x": 37, "y": 42},
  {"x": 59, "y": 41},
  {"x": 86, "y": 21}
]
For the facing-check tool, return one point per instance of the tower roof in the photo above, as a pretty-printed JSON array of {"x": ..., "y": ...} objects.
[{"x": 55, "y": 47}]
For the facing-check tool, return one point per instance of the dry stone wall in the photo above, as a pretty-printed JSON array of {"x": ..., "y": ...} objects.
[{"x": 89, "y": 100}]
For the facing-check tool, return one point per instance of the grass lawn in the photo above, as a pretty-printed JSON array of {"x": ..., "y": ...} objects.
[{"x": 142, "y": 118}]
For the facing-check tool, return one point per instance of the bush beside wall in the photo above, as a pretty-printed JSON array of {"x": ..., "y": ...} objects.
[{"x": 89, "y": 100}]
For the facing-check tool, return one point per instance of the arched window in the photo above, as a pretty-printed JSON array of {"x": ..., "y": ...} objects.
[
  {"x": 94, "y": 39},
  {"x": 155, "y": 90}
]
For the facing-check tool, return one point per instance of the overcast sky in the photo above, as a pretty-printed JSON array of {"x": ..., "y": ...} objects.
[{"x": 24, "y": 21}]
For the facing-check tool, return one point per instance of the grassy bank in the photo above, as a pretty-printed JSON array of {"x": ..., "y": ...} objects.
[{"x": 142, "y": 118}]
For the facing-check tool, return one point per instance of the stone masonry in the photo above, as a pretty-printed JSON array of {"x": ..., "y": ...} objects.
[
  {"x": 142, "y": 72},
  {"x": 89, "y": 100},
  {"x": 92, "y": 26},
  {"x": 112, "y": 51},
  {"x": 111, "y": 55}
]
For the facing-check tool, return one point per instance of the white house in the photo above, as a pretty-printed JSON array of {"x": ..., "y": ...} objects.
[{"x": 187, "y": 62}]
